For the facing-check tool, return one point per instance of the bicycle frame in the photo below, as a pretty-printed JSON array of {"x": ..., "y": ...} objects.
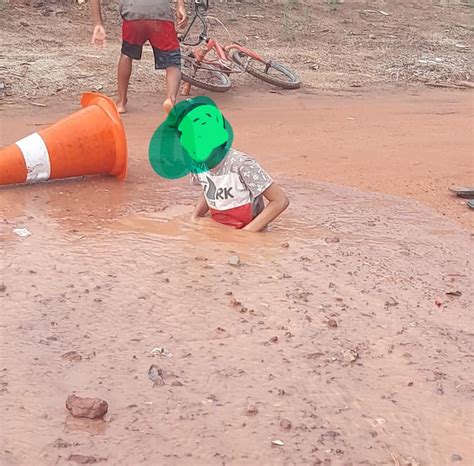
[{"x": 223, "y": 55}]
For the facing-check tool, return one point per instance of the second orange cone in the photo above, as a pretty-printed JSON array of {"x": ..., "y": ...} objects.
[{"x": 91, "y": 141}]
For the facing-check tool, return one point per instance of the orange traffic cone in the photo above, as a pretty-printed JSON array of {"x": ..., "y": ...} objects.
[{"x": 89, "y": 142}]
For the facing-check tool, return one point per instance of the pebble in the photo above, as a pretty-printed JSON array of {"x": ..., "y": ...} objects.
[
  {"x": 72, "y": 356},
  {"x": 285, "y": 245},
  {"x": 391, "y": 302},
  {"x": 155, "y": 374},
  {"x": 91, "y": 408},
  {"x": 285, "y": 424},
  {"x": 234, "y": 261},
  {"x": 331, "y": 323},
  {"x": 274, "y": 339},
  {"x": 252, "y": 410},
  {"x": 234, "y": 303},
  {"x": 350, "y": 355},
  {"x": 278, "y": 443},
  {"x": 332, "y": 240}
]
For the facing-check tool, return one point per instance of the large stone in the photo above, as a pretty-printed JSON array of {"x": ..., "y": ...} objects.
[{"x": 91, "y": 408}]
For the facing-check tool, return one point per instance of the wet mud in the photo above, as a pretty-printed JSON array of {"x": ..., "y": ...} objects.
[{"x": 342, "y": 336}]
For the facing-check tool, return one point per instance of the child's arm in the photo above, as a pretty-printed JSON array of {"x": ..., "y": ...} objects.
[
  {"x": 201, "y": 208},
  {"x": 277, "y": 203},
  {"x": 98, "y": 36},
  {"x": 181, "y": 13}
]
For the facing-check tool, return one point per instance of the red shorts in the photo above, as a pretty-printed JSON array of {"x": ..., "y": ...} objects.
[{"x": 161, "y": 35}]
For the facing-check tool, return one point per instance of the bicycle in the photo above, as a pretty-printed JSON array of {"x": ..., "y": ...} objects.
[{"x": 213, "y": 74}]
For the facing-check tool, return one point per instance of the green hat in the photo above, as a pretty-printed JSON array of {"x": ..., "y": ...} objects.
[{"x": 194, "y": 138}]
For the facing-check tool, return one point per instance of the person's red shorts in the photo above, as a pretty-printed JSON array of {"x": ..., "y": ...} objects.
[{"x": 162, "y": 37}]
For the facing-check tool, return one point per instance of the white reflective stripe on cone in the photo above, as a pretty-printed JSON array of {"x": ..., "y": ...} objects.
[{"x": 36, "y": 158}]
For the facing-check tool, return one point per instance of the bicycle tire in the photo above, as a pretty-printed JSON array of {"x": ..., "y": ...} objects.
[
  {"x": 223, "y": 82},
  {"x": 292, "y": 80}
]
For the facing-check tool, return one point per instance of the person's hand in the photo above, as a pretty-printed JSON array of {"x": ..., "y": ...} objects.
[
  {"x": 182, "y": 16},
  {"x": 98, "y": 36}
]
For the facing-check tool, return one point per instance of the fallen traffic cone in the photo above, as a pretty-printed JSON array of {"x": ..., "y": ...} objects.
[{"x": 89, "y": 142}]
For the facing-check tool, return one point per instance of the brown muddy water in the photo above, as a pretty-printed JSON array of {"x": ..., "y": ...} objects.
[{"x": 335, "y": 334}]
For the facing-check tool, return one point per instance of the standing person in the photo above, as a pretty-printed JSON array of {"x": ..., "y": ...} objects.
[{"x": 145, "y": 20}]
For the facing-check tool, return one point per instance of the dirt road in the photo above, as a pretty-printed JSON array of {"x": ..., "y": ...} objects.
[{"x": 343, "y": 345}]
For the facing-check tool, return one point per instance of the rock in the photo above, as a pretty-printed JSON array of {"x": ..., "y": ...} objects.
[
  {"x": 329, "y": 435},
  {"x": 60, "y": 443},
  {"x": 391, "y": 302},
  {"x": 155, "y": 374},
  {"x": 278, "y": 443},
  {"x": 350, "y": 356},
  {"x": 274, "y": 339},
  {"x": 72, "y": 356},
  {"x": 332, "y": 240},
  {"x": 3, "y": 287},
  {"x": 455, "y": 457},
  {"x": 161, "y": 351},
  {"x": 234, "y": 261},
  {"x": 331, "y": 323},
  {"x": 252, "y": 410},
  {"x": 285, "y": 424},
  {"x": 91, "y": 408},
  {"x": 234, "y": 303},
  {"x": 84, "y": 459}
]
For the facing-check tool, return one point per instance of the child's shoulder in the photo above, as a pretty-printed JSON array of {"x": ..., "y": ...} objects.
[{"x": 237, "y": 157}]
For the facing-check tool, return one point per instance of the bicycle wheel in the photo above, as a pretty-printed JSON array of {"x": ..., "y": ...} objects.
[
  {"x": 203, "y": 75},
  {"x": 270, "y": 72}
]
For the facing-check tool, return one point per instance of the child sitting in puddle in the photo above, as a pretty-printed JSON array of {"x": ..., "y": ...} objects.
[{"x": 197, "y": 139}]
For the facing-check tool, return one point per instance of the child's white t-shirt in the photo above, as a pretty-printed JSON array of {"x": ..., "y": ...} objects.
[{"x": 233, "y": 190}]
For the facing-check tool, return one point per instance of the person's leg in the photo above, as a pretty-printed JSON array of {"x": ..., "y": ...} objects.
[
  {"x": 167, "y": 53},
  {"x": 123, "y": 78},
  {"x": 173, "y": 79},
  {"x": 134, "y": 35}
]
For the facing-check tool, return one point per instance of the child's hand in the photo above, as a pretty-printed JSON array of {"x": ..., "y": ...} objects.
[
  {"x": 196, "y": 219},
  {"x": 98, "y": 36},
  {"x": 182, "y": 16}
]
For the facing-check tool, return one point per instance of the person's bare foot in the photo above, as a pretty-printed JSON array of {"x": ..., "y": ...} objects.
[
  {"x": 168, "y": 105},
  {"x": 121, "y": 107}
]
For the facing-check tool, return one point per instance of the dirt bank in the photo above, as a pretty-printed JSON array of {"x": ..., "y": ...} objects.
[{"x": 45, "y": 48}]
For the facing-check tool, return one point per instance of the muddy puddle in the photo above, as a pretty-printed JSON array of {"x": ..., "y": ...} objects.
[
  {"x": 326, "y": 337},
  {"x": 342, "y": 336}
]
